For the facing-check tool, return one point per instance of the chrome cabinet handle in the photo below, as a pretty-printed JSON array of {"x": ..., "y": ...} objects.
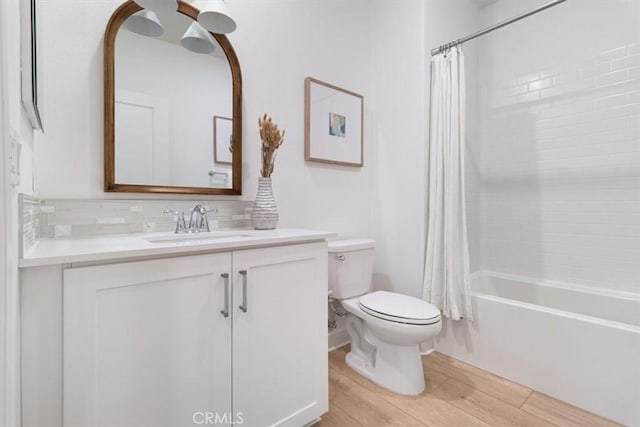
[
  {"x": 225, "y": 310},
  {"x": 243, "y": 307},
  {"x": 340, "y": 257}
]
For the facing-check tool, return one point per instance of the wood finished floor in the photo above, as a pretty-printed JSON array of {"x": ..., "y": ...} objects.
[{"x": 457, "y": 394}]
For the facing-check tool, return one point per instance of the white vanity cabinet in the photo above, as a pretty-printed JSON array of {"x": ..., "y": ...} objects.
[
  {"x": 280, "y": 367},
  {"x": 145, "y": 343},
  {"x": 161, "y": 342}
]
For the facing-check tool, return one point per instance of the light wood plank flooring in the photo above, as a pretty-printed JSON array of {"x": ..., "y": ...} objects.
[{"x": 457, "y": 394}]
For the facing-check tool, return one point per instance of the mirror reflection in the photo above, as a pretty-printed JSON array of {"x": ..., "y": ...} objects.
[{"x": 173, "y": 104}]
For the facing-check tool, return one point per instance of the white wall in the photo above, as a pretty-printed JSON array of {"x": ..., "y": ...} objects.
[
  {"x": 13, "y": 122},
  {"x": 403, "y": 34},
  {"x": 399, "y": 82},
  {"x": 278, "y": 44},
  {"x": 560, "y": 107}
]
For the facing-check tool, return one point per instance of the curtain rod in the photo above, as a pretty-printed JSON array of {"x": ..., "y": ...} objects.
[{"x": 444, "y": 47}]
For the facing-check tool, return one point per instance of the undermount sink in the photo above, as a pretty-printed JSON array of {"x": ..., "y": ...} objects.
[{"x": 195, "y": 237}]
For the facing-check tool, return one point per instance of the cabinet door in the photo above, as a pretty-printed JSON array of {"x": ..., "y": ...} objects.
[
  {"x": 146, "y": 344},
  {"x": 280, "y": 341}
]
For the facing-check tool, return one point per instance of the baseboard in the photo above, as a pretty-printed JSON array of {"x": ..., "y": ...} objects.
[
  {"x": 338, "y": 338},
  {"x": 427, "y": 347}
]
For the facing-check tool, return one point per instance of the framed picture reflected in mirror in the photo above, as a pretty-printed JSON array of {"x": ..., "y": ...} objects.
[{"x": 222, "y": 140}]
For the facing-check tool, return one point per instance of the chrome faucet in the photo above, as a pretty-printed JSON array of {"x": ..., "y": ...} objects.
[{"x": 198, "y": 221}]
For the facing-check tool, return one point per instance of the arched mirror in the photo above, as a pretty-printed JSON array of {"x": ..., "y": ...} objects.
[{"x": 173, "y": 121}]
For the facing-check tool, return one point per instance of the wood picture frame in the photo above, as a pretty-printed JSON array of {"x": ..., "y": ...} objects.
[
  {"x": 222, "y": 140},
  {"x": 333, "y": 124}
]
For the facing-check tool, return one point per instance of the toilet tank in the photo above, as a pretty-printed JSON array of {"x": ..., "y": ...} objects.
[{"x": 350, "y": 267}]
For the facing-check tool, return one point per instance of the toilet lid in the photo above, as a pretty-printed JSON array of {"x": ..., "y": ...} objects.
[{"x": 399, "y": 308}]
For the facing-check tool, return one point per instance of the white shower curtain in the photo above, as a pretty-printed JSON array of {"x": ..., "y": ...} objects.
[{"x": 446, "y": 276}]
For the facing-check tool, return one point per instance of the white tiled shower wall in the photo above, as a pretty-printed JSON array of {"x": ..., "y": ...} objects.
[{"x": 559, "y": 144}]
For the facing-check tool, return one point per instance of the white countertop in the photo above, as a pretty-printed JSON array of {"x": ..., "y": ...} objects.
[{"x": 102, "y": 248}]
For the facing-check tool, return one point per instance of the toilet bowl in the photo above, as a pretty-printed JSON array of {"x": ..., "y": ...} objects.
[{"x": 385, "y": 328}]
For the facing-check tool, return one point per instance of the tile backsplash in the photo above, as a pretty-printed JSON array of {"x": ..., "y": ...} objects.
[
  {"x": 60, "y": 218},
  {"x": 29, "y": 222}
]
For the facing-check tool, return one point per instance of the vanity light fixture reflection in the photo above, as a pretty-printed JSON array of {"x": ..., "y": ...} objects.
[
  {"x": 197, "y": 39},
  {"x": 215, "y": 17},
  {"x": 158, "y": 5},
  {"x": 144, "y": 22}
]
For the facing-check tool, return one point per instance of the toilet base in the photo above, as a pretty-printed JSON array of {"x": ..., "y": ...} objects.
[{"x": 398, "y": 369}]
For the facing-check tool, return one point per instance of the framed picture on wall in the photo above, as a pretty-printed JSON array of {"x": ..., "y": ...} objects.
[
  {"x": 29, "y": 61},
  {"x": 334, "y": 122},
  {"x": 222, "y": 140}
]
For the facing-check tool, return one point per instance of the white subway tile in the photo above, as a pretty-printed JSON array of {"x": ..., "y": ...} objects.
[
  {"x": 148, "y": 226},
  {"x": 603, "y": 68},
  {"x": 552, "y": 92},
  {"x": 634, "y": 73},
  {"x": 540, "y": 84},
  {"x": 588, "y": 71},
  {"x": 634, "y": 48},
  {"x": 612, "y": 54},
  {"x": 563, "y": 79},
  {"x": 612, "y": 78},
  {"x": 611, "y": 101},
  {"x": 553, "y": 71},
  {"x": 110, "y": 220},
  {"x": 528, "y": 78},
  {"x": 633, "y": 110},
  {"x": 627, "y": 62},
  {"x": 516, "y": 90}
]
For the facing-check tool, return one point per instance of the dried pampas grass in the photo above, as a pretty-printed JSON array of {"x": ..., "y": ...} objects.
[{"x": 272, "y": 139}]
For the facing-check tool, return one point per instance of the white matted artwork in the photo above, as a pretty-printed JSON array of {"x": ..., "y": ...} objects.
[
  {"x": 222, "y": 140},
  {"x": 333, "y": 124}
]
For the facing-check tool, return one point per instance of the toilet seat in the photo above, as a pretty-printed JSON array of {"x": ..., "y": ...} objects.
[{"x": 399, "y": 308}]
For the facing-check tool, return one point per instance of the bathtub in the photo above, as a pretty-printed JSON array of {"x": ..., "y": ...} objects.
[{"x": 577, "y": 344}]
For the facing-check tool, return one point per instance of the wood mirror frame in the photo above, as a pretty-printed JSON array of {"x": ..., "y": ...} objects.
[{"x": 117, "y": 19}]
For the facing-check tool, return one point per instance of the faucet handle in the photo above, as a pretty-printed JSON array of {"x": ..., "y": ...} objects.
[{"x": 180, "y": 223}]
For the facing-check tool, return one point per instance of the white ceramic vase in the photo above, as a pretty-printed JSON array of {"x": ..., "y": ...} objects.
[{"x": 265, "y": 212}]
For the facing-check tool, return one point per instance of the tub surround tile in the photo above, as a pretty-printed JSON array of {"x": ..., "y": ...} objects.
[{"x": 555, "y": 181}]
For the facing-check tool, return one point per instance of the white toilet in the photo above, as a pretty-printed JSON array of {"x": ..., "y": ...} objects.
[{"x": 385, "y": 328}]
